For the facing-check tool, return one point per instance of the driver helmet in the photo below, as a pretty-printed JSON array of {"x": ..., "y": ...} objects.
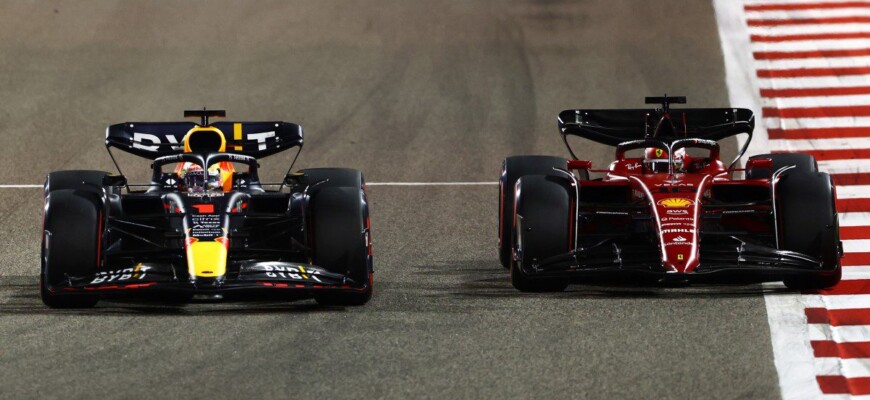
[
  {"x": 655, "y": 159},
  {"x": 196, "y": 180}
]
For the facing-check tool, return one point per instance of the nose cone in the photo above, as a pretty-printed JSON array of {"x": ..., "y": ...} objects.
[{"x": 206, "y": 259}]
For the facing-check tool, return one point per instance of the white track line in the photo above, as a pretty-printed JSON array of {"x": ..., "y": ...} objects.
[
  {"x": 431, "y": 183},
  {"x": 367, "y": 184},
  {"x": 820, "y": 144}
]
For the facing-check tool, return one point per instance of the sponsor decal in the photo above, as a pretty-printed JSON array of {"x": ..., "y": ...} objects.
[
  {"x": 675, "y": 202},
  {"x": 611, "y": 213},
  {"x": 140, "y": 139},
  {"x": 679, "y": 257},
  {"x": 659, "y": 153},
  {"x": 677, "y": 244},
  {"x": 678, "y": 212},
  {"x": 666, "y": 219},
  {"x": 674, "y": 184},
  {"x": 632, "y": 167},
  {"x": 678, "y": 231},
  {"x": 676, "y": 224},
  {"x": 679, "y": 239},
  {"x": 205, "y": 225},
  {"x": 285, "y": 271},
  {"x": 739, "y": 211},
  {"x": 119, "y": 275}
]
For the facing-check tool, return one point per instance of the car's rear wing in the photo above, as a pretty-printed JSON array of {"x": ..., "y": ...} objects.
[
  {"x": 157, "y": 139},
  {"x": 612, "y": 127}
]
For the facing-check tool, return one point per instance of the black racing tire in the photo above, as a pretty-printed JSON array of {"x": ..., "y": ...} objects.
[
  {"x": 70, "y": 245},
  {"x": 540, "y": 229},
  {"x": 76, "y": 179},
  {"x": 512, "y": 169},
  {"x": 803, "y": 163},
  {"x": 333, "y": 177},
  {"x": 341, "y": 231},
  {"x": 808, "y": 224}
]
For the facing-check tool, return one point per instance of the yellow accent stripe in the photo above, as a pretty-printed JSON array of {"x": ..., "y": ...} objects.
[
  {"x": 237, "y": 135},
  {"x": 136, "y": 270}
]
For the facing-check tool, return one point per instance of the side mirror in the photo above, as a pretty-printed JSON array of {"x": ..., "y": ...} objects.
[
  {"x": 114, "y": 180},
  {"x": 765, "y": 163},
  {"x": 579, "y": 165},
  {"x": 295, "y": 178}
]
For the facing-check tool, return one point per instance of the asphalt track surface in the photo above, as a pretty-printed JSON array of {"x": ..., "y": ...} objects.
[{"x": 406, "y": 92}]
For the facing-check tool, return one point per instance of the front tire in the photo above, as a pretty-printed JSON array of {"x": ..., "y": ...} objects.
[
  {"x": 513, "y": 168},
  {"x": 70, "y": 245},
  {"x": 808, "y": 224},
  {"x": 540, "y": 229},
  {"x": 341, "y": 234}
]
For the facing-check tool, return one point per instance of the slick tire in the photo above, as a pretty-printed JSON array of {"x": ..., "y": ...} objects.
[
  {"x": 333, "y": 177},
  {"x": 803, "y": 163},
  {"x": 807, "y": 220},
  {"x": 540, "y": 229},
  {"x": 70, "y": 245},
  {"x": 77, "y": 179},
  {"x": 341, "y": 239},
  {"x": 512, "y": 169}
]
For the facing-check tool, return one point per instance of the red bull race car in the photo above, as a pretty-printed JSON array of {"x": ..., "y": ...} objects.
[
  {"x": 667, "y": 209},
  {"x": 205, "y": 224}
]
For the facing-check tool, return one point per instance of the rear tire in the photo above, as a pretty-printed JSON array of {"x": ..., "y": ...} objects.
[
  {"x": 808, "y": 225},
  {"x": 540, "y": 230},
  {"x": 513, "y": 168},
  {"x": 70, "y": 245},
  {"x": 341, "y": 234}
]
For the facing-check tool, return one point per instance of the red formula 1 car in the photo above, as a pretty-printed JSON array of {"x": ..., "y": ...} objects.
[{"x": 667, "y": 208}]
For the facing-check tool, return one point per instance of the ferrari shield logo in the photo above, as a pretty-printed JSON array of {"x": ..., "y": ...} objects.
[
  {"x": 675, "y": 202},
  {"x": 659, "y": 153}
]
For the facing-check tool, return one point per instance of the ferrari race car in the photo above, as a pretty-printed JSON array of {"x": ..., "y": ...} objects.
[
  {"x": 205, "y": 225},
  {"x": 667, "y": 209}
]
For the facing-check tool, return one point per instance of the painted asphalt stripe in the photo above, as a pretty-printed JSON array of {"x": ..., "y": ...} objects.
[
  {"x": 853, "y": 232},
  {"x": 816, "y": 112},
  {"x": 843, "y": 302},
  {"x": 809, "y": 45},
  {"x": 750, "y": 3},
  {"x": 809, "y": 21},
  {"x": 835, "y": 154},
  {"x": 802, "y": 145},
  {"x": 841, "y": 384},
  {"x": 815, "y": 91},
  {"x": 809, "y": 36},
  {"x": 795, "y": 14},
  {"x": 853, "y": 192},
  {"x": 808, "y": 29},
  {"x": 813, "y": 82},
  {"x": 856, "y": 287},
  {"x": 845, "y": 166},
  {"x": 853, "y": 205},
  {"x": 807, "y": 72},
  {"x": 848, "y": 367},
  {"x": 819, "y": 133},
  {"x": 839, "y": 334},
  {"x": 855, "y": 219},
  {"x": 830, "y": 348},
  {"x": 790, "y": 55},
  {"x": 856, "y": 272},
  {"x": 856, "y": 246},
  {"x": 851, "y": 179},
  {"x": 857, "y": 316},
  {"x": 855, "y": 259},
  {"x": 815, "y": 123},
  {"x": 815, "y": 101},
  {"x": 819, "y": 5},
  {"x": 833, "y": 62}
]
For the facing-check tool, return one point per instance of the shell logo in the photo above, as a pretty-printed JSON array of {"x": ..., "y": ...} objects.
[{"x": 675, "y": 202}]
